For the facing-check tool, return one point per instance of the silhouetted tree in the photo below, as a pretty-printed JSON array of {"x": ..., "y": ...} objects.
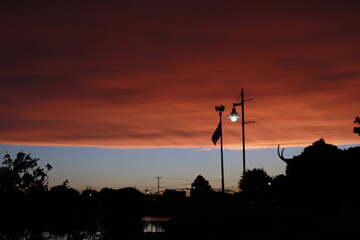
[
  {"x": 357, "y": 129},
  {"x": 23, "y": 174},
  {"x": 200, "y": 187},
  {"x": 89, "y": 202},
  {"x": 324, "y": 176},
  {"x": 279, "y": 187},
  {"x": 121, "y": 212},
  {"x": 63, "y": 208},
  {"x": 255, "y": 180},
  {"x": 23, "y": 188},
  {"x": 64, "y": 198}
]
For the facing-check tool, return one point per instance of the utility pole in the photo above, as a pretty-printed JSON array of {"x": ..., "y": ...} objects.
[{"x": 158, "y": 191}]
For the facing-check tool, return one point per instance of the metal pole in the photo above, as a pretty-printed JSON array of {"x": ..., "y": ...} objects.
[
  {"x": 242, "y": 103},
  {"x": 158, "y": 191},
  {"x": 220, "y": 109},
  {"x": 222, "y": 158},
  {"x": 243, "y": 128}
]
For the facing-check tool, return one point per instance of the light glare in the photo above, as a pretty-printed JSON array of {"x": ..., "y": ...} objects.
[{"x": 233, "y": 117}]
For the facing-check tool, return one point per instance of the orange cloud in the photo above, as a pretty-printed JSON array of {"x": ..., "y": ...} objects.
[{"x": 149, "y": 75}]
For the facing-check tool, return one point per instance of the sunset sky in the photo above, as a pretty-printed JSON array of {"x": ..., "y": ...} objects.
[{"x": 113, "y": 93}]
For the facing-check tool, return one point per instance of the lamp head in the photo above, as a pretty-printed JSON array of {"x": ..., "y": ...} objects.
[{"x": 233, "y": 115}]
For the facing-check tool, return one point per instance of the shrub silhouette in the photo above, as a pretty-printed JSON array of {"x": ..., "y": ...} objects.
[
  {"x": 255, "y": 180},
  {"x": 200, "y": 187}
]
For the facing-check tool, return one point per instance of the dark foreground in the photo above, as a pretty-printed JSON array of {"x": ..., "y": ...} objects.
[
  {"x": 117, "y": 214},
  {"x": 319, "y": 198}
]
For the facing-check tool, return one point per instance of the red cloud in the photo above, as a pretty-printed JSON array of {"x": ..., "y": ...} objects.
[{"x": 117, "y": 75}]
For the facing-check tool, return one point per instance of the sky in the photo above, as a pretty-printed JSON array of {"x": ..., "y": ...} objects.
[{"x": 108, "y": 88}]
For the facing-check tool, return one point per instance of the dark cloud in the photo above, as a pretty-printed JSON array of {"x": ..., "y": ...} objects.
[{"x": 339, "y": 76}]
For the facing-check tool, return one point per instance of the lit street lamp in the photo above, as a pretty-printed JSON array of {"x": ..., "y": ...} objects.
[{"x": 234, "y": 117}]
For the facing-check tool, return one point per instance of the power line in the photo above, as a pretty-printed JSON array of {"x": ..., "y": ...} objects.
[
  {"x": 178, "y": 179},
  {"x": 144, "y": 181}
]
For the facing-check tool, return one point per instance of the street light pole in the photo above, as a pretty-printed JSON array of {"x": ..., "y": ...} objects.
[{"x": 234, "y": 117}]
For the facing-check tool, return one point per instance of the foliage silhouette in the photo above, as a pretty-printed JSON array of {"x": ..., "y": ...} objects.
[
  {"x": 255, "y": 185},
  {"x": 121, "y": 212},
  {"x": 279, "y": 187},
  {"x": 255, "y": 180},
  {"x": 200, "y": 187},
  {"x": 357, "y": 129},
  {"x": 23, "y": 188},
  {"x": 23, "y": 174},
  {"x": 63, "y": 206},
  {"x": 324, "y": 176}
]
